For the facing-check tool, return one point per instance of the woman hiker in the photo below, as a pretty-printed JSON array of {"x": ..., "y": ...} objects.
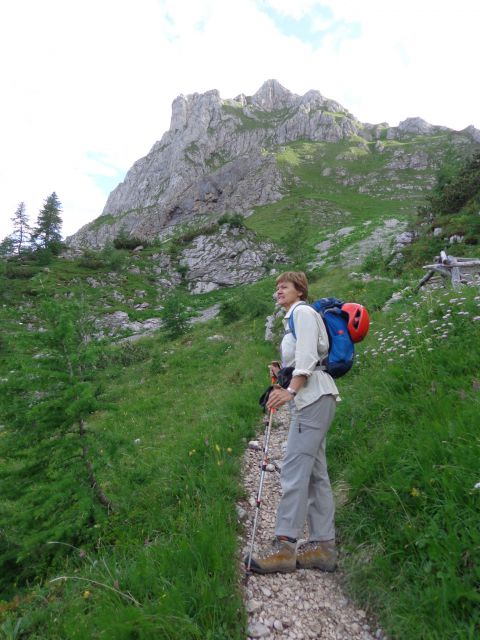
[{"x": 312, "y": 394}]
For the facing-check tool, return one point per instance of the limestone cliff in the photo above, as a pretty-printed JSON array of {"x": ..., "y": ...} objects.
[
  {"x": 215, "y": 158},
  {"x": 219, "y": 156}
]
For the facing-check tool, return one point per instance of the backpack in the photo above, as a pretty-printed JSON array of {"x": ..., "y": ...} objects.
[{"x": 338, "y": 322}]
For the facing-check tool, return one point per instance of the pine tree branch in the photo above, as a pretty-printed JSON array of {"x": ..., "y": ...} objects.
[{"x": 102, "y": 498}]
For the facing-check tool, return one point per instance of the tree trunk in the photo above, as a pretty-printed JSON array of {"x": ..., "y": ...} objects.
[{"x": 102, "y": 498}]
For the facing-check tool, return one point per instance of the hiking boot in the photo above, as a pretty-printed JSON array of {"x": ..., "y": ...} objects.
[
  {"x": 280, "y": 557},
  {"x": 317, "y": 555}
]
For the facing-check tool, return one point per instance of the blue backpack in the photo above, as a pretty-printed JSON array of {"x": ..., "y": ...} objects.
[{"x": 341, "y": 351}]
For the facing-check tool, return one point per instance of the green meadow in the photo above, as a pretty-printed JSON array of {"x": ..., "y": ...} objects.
[{"x": 161, "y": 425}]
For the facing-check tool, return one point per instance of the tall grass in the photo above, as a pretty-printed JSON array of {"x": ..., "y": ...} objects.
[
  {"x": 164, "y": 564},
  {"x": 406, "y": 445},
  {"x": 167, "y": 445}
]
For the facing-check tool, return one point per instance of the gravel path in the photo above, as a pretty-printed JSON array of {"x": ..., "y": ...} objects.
[{"x": 299, "y": 605}]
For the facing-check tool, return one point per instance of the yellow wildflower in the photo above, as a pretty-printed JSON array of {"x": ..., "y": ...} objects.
[{"x": 415, "y": 492}]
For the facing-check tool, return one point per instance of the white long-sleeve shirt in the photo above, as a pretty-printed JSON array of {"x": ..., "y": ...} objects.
[{"x": 304, "y": 353}]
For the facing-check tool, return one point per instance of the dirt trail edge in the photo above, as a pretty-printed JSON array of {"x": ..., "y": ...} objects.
[{"x": 299, "y": 605}]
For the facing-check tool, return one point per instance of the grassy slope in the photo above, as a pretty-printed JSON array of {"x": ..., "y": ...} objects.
[
  {"x": 177, "y": 422},
  {"x": 403, "y": 454},
  {"x": 348, "y": 183},
  {"x": 403, "y": 458}
]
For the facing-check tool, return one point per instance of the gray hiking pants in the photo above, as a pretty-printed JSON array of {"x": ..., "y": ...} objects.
[{"x": 306, "y": 491}]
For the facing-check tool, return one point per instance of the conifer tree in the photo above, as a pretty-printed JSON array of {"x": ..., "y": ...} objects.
[
  {"x": 48, "y": 477},
  {"x": 21, "y": 228},
  {"x": 175, "y": 316},
  {"x": 47, "y": 232},
  {"x": 6, "y": 247}
]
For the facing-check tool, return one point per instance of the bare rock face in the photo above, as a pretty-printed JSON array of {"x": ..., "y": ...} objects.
[
  {"x": 218, "y": 156},
  {"x": 215, "y": 158},
  {"x": 230, "y": 257},
  {"x": 380, "y": 239},
  {"x": 473, "y": 133}
]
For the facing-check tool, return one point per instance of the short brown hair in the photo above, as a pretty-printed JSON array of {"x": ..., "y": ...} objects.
[{"x": 298, "y": 279}]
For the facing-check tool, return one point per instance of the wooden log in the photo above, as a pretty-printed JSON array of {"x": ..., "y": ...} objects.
[
  {"x": 425, "y": 279},
  {"x": 456, "y": 277},
  {"x": 469, "y": 263},
  {"x": 443, "y": 269}
]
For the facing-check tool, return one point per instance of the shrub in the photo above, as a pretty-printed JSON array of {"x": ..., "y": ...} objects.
[
  {"x": 175, "y": 316},
  {"x": 157, "y": 364},
  {"x": 91, "y": 260},
  {"x": 126, "y": 354},
  {"x": 114, "y": 259},
  {"x": 233, "y": 219},
  {"x": 20, "y": 271},
  {"x": 245, "y": 304},
  {"x": 376, "y": 261},
  {"x": 122, "y": 241}
]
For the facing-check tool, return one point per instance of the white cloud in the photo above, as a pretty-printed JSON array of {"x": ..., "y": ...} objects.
[{"x": 88, "y": 86}]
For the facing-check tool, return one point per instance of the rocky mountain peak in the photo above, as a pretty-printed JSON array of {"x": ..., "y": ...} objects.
[
  {"x": 219, "y": 156},
  {"x": 415, "y": 125},
  {"x": 272, "y": 95},
  {"x": 193, "y": 107}
]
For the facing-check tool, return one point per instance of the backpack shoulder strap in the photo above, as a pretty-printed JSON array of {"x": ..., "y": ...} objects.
[{"x": 291, "y": 326}]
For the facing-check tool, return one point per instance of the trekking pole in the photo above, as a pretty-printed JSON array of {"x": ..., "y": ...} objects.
[{"x": 260, "y": 487}]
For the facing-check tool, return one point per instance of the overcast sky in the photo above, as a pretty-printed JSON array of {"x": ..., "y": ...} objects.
[{"x": 87, "y": 85}]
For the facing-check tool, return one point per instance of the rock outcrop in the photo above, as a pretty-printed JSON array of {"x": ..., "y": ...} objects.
[
  {"x": 219, "y": 156},
  {"x": 230, "y": 257},
  {"x": 215, "y": 158}
]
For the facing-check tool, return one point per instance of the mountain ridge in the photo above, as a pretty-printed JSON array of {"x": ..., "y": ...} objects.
[{"x": 219, "y": 156}]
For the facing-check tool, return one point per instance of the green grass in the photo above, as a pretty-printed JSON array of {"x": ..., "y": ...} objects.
[
  {"x": 324, "y": 199},
  {"x": 167, "y": 443},
  {"x": 405, "y": 445},
  {"x": 170, "y": 545},
  {"x": 259, "y": 119},
  {"x": 167, "y": 446}
]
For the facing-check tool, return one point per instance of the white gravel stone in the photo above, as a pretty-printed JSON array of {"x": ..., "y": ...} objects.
[
  {"x": 303, "y": 604},
  {"x": 253, "y": 605},
  {"x": 258, "y": 630}
]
